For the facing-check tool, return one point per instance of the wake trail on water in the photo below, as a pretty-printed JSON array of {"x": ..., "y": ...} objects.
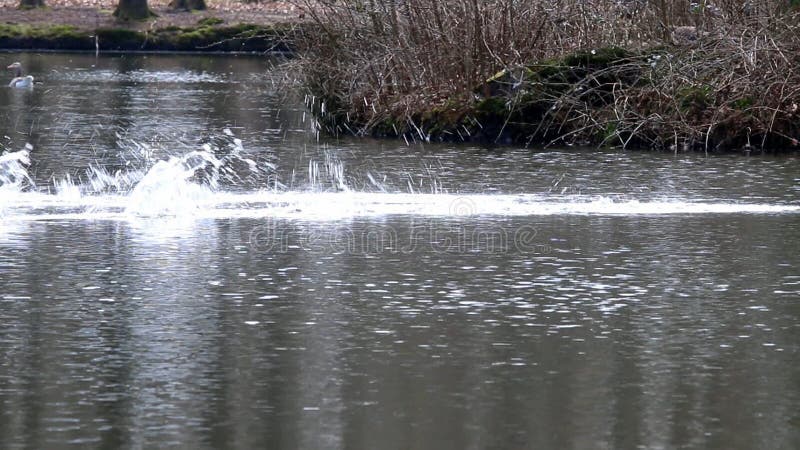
[{"x": 201, "y": 184}]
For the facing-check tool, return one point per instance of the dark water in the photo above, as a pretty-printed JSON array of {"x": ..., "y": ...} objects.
[{"x": 382, "y": 329}]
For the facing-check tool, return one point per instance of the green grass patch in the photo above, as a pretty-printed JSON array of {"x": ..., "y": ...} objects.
[
  {"x": 207, "y": 36},
  {"x": 57, "y": 37}
]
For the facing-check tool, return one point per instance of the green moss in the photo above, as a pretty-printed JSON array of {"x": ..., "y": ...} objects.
[
  {"x": 610, "y": 132},
  {"x": 210, "y": 21},
  {"x": 742, "y": 103},
  {"x": 204, "y": 36},
  {"x": 55, "y": 37},
  {"x": 7, "y": 29},
  {"x": 694, "y": 99},
  {"x": 443, "y": 119},
  {"x": 573, "y": 67},
  {"x": 523, "y": 103},
  {"x": 243, "y": 37},
  {"x": 491, "y": 107},
  {"x": 190, "y": 39},
  {"x": 244, "y": 30},
  {"x": 549, "y": 69},
  {"x": 557, "y": 74},
  {"x": 53, "y": 31},
  {"x": 599, "y": 58}
]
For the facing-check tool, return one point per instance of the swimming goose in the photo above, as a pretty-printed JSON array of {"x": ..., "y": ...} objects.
[{"x": 19, "y": 81}]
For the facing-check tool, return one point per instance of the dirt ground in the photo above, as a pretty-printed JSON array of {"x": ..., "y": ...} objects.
[{"x": 93, "y": 14}]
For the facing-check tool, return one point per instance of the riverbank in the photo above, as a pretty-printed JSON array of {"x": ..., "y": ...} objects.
[
  {"x": 89, "y": 25},
  {"x": 669, "y": 98},
  {"x": 605, "y": 73},
  {"x": 615, "y": 73}
]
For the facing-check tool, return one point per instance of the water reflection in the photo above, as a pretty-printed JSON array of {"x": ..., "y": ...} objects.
[
  {"x": 379, "y": 330},
  {"x": 85, "y": 107},
  {"x": 123, "y": 339}
]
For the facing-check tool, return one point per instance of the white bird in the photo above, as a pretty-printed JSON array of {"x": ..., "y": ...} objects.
[{"x": 19, "y": 81}]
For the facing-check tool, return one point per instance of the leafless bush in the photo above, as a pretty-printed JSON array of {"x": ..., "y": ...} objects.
[
  {"x": 738, "y": 86},
  {"x": 384, "y": 61}
]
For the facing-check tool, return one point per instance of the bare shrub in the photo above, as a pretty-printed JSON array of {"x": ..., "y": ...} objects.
[{"x": 378, "y": 62}]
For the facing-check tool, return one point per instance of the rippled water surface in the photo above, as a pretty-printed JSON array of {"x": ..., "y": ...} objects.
[{"x": 183, "y": 263}]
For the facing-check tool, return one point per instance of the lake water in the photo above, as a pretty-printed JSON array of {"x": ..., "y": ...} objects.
[{"x": 185, "y": 263}]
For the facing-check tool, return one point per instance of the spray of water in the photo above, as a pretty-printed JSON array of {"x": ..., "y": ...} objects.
[
  {"x": 13, "y": 177},
  {"x": 169, "y": 188},
  {"x": 216, "y": 181},
  {"x": 327, "y": 175},
  {"x": 13, "y": 169}
]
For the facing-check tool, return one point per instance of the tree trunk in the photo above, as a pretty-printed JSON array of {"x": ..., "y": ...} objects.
[
  {"x": 133, "y": 10},
  {"x": 31, "y": 4},
  {"x": 188, "y": 5}
]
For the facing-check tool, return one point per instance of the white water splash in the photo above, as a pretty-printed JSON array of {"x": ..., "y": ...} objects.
[
  {"x": 13, "y": 177},
  {"x": 340, "y": 205},
  {"x": 168, "y": 187},
  {"x": 186, "y": 201},
  {"x": 330, "y": 174},
  {"x": 13, "y": 171},
  {"x": 188, "y": 188},
  {"x": 100, "y": 180}
]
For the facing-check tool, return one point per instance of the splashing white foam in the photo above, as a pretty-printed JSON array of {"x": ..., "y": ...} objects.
[
  {"x": 168, "y": 187},
  {"x": 13, "y": 177},
  {"x": 188, "y": 188},
  {"x": 330, "y": 174},
  {"x": 13, "y": 171},
  {"x": 339, "y": 205}
]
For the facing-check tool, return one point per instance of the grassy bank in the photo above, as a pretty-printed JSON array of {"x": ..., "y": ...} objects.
[
  {"x": 677, "y": 75},
  {"x": 208, "y": 35}
]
